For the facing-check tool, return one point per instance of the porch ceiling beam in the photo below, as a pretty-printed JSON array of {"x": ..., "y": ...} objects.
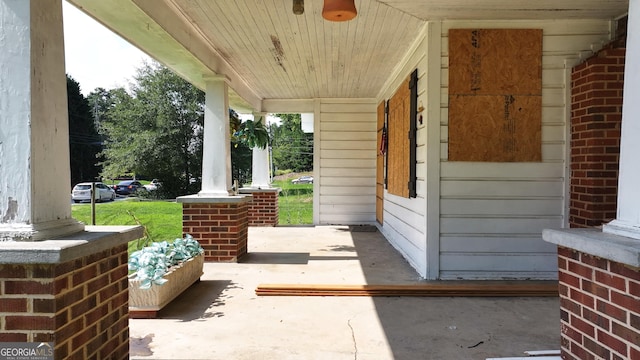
[
  {"x": 159, "y": 29},
  {"x": 509, "y": 10},
  {"x": 288, "y": 105}
]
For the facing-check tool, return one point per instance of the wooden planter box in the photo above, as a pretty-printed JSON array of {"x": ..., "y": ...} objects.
[{"x": 145, "y": 303}]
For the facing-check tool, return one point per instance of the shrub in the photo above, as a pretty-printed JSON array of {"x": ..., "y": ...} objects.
[{"x": 151, "y": 263}]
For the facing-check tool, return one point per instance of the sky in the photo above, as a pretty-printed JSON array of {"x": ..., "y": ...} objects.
[{"x": 95, "y": 56}]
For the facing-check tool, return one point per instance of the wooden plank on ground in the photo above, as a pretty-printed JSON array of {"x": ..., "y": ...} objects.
[
  {"x": 543, "y": 352},
  {"x": 528, "y": 358},
  {"x": 434, "y": 289}
]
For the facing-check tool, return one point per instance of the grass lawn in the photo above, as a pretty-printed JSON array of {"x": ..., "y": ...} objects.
[
  {"x": 162, "y": 219},
  {"x": 295, "y": 203}
]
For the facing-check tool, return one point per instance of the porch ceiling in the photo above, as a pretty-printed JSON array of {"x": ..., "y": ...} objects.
[{"x": 268, "y": 53}]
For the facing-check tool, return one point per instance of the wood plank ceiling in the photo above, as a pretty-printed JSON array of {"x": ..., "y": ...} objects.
[
  {"x": 284, "y": 56},
  {"x": 279, "y": 55}
]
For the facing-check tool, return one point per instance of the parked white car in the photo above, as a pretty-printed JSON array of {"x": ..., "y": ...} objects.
[
  {"x": 82, "y": 192},
  {"x": 153, "y": 185},
  {"x": 303, "y": 180}
]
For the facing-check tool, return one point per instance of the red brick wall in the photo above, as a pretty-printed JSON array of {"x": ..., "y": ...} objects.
[
  {"x": 263, "y": 210},
  {"x": 221, "y": 229},
  {"x": 81, "y": 305},
  {"x": 596, "y": 114},
  {"x": 599, "y": 307}
]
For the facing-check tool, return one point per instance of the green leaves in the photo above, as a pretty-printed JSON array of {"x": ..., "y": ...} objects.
[
  {"x": 155, "y": 130},
  {"x": 183, "y": 249},
  {"x": 249, "y": 132},
  {"x": 152, "y": 262}
]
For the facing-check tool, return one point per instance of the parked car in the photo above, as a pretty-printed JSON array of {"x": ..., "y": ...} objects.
[
  {"x": 303, "y": 180},
  {"x": 82, "y": 192},
  {"x": 128, "y": 187},
  {"x": 153, "y": 185}
]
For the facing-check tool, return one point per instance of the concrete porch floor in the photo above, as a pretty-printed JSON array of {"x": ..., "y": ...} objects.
[{"x": 221, "y": 317}]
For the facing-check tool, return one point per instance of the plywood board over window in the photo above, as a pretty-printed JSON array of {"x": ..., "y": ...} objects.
[
  {"x": 398, "y": 148},
  {"x": 495, "y": 95}
]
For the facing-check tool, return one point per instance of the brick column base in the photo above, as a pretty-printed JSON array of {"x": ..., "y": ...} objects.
[
  {"x": 263, "y": 210},
  {"x": 220, "y": 224},
  {"x": 78, "y": 303},
  {"x": 599, "y": 307}
]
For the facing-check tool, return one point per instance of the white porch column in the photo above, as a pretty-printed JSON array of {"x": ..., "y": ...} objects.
[
  {"x": 627, "y": 222},
  {"x": 260, "y": 161},
  {"x": 216, "y": 157},
  {"x": 35, "y": 176}
]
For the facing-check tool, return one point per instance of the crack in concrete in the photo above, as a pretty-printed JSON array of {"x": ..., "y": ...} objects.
[{"x": 353, "y": 338}]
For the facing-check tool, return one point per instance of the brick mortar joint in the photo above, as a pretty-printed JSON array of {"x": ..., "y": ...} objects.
[
  {"x": 592, "y": 280},
  {"x": 607, "y": 271},
  {"x": 594, "y": 307},
  {"x": 596, "y": 327}
]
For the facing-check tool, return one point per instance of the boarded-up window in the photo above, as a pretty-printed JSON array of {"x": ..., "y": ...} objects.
[
  {"x": 398, "y": 148},
  {"x": 495, "y": 95}
]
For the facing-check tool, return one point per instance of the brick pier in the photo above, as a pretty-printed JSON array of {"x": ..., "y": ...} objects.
[
  {"x": 264, "y": 209},
  {"x": 599, "y": 286},
  {"x": 600, "y": 307},
  {"x": 220, "y": 224},
  {"x": 596, "y": 115},
  {"x": 599, "y": 271},
  {"x": 71, "y": 291}
]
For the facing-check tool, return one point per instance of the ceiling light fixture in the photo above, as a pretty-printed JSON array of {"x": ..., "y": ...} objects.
[
  {"x": 298, "y": 7},
  {"x": 339, "y": 10}
]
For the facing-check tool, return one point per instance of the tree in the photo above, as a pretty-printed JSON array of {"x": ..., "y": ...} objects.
[
  {"x": 292, "y": 148},
  {"x": 101, "y": 101},
  {"x": 156, "y": 131},
  {"x": 84, "y": 141}
]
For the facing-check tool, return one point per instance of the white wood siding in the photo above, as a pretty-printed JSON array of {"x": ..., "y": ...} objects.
[
  {"x": 346, "y": 173},
  {"x": 492, "y": 214},
  {"x": 489, "y": 216},
  {"x": 405, "y": 222}
]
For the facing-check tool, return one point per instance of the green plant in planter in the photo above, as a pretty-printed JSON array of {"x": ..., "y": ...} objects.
[{"x": 151, "y": 263}]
